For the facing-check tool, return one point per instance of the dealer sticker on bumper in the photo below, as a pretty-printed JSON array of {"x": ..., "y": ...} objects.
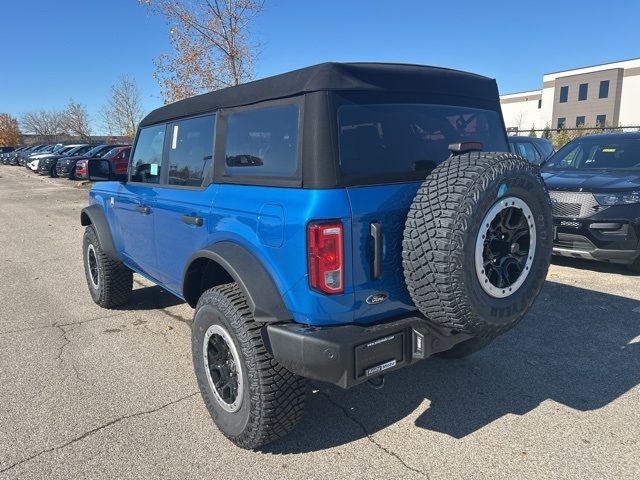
[{"x": 379, "y": 368}]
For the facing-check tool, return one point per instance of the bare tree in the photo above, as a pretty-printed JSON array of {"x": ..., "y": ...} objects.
[
  {"x": 519, "y": 119},
  {"x": 46, "y": 123},
  {"x": 123, "y": 110},
  {"x": 9, "y": 131},
  {"x": 211, "y": 43},
  {"x": 76, "y": 120}
]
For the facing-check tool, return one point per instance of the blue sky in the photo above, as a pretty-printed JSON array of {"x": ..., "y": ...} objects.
[{"x": 53, "y": 50}]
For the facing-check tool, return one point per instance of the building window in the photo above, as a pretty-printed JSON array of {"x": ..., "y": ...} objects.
[
  {"x": 601, "y": 120},
  {"x": 539, "y": 103},
  {"x": 582, "y": 91},
  {"x": 604, "y": 89},
  {"x": 564, "y": 94},
  {"x": 580, "y": 121},
  {"x": 561, "y": 123}
]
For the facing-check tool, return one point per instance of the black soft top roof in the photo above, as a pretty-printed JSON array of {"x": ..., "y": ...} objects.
[{"x": 391, "y": 77}]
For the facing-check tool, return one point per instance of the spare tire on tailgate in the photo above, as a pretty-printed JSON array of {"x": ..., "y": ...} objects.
[{"x": 477, "y": 244}]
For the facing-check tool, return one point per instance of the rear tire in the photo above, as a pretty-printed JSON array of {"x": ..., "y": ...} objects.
[
  {"x": 478, "y": 220},
  {"x": 251, "y": 398},
  {"x": 110, "y": 282}
]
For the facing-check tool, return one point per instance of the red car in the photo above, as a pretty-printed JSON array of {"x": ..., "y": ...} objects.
[{"x": 119, "y": 158}]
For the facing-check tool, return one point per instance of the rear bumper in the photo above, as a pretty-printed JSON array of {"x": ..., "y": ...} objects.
[{"x": 351, "y": 354}]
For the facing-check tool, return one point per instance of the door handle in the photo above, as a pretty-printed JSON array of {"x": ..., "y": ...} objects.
[
  {"x": 192, "y": 220},
  {"x": 376, "y": 234},
  {"x": 143, "y": 210}
]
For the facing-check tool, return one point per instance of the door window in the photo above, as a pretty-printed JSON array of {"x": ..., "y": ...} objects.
[
  {"x": 147, "y": 156},
  {"x": 191, "y": 151}
]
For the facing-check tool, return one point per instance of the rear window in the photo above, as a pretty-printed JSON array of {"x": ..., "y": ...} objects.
[{"x": 402, "y": 142}]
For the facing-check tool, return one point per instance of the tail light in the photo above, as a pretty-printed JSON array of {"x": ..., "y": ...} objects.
[{"x": 326, "y": 258}]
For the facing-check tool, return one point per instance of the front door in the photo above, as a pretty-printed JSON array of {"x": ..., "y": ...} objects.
[
  {"x": 183, "y": 202},
  {"x": 134, "y": 211},
  {"x": 134, "y": 206}
]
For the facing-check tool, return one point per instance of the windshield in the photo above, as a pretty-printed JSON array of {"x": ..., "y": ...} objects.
[
  {"x": 111, "y": 153},
  {"x": 383, "y": 143},
  {"x": 597, "y": 154},
  {"x": 74, "y": 152},
  {"x": 94, "y": 151}
]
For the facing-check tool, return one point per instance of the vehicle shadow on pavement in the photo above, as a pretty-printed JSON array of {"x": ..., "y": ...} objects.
[
  {"x": 593, "y": 266},
  {"x": 577, "y": 347},
  {"x": 150, "y": 298}
]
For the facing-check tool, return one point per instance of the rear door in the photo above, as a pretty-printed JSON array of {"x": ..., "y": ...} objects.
[
  {"x": 386, "y": 150},
  {"x": 183, "y": 202}
]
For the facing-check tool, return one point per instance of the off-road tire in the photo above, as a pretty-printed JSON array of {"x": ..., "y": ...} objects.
[
  {"x": 115, "y": 280},
  {"x": 440, "y": 242},
  {"x": 273, "y": 398}
]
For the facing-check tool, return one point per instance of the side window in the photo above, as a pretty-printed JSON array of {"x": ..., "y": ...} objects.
[
  {"x": 262, "y": 142},
  {"x": 147, "y": 157},
  {"x": 191, "y": 151}
]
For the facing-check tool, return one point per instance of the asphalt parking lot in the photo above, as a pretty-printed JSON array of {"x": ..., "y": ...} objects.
[{"x": 92, "y": 393}]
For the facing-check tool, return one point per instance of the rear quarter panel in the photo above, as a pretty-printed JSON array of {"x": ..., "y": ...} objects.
[{"x": 249, "y": 216}]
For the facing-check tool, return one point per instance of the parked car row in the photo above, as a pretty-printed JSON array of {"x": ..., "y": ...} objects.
[
  {"x": 68, "y": 161},
  {"x": 593, "y": 182}
]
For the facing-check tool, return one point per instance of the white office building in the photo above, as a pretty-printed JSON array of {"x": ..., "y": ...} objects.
[{"x": 600, "y": 95}]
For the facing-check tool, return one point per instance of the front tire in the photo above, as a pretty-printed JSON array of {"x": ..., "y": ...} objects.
[
  {"x": 251, "y": 398},
  {"x": 110, "y": 282}
]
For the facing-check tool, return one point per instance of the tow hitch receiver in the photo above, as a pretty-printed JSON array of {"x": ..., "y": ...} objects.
[{"x": 351, "y": 354}]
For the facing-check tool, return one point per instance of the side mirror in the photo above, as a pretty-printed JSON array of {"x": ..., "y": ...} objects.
[{"x": 101, "y": 170}]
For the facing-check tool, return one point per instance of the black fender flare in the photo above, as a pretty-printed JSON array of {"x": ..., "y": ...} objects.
[
  {"x": 260, "y": 291},
  {"x": 94, "y": 215}
]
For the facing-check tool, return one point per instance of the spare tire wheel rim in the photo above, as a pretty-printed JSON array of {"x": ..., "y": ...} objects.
[
  {"x": 92, "y": 265},
  {"x": 223, "y": 368},
  {"x": 505, "y": 247}
]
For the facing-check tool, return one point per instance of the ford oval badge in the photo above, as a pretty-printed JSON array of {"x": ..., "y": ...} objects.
[{"x": 376, "y": 298}]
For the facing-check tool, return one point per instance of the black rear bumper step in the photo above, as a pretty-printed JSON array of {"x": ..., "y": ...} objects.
[{"x": 347, "y": 355}]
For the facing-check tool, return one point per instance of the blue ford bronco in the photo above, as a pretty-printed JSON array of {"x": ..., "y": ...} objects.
[{"x": 335, "y": 223}]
